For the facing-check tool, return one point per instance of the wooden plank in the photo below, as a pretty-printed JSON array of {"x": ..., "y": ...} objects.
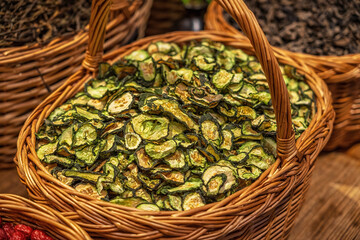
[{"x": 332, "y": 206}]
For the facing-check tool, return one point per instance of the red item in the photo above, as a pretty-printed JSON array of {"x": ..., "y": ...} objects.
[
  {"x": 9, "y": 229},
  {"x": 17, "y": 235},
  {"x": 40, "y": 235},
  {"x": 26, "y": 230},
  {"x": 3, "y": 235}
]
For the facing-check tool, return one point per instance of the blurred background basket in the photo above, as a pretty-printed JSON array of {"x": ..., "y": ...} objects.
[
  {"x": 28, "y": 74},
  {"x": 16, "y": 209},
  {"x": 341, "y": 73},
  {"x": 265, "y": 209},
  {"x": 164, "y": 16}
]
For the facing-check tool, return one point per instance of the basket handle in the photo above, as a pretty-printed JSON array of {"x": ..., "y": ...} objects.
[
  {"x": 98, "y": 19},
  {"x": 100, "y": 10},
  {"x": 279, "y": 94},
  {"x": 245, "y": 18}
]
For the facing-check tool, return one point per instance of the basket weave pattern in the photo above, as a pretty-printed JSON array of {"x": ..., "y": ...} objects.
[
  {"x": 17, "y": 209},
  {"x": 341, "y": 74},
  {"x": 30, "y": 73},
  {"x": 265, "y": 209}
]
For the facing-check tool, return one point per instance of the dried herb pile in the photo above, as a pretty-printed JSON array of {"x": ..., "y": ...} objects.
[
  {"x": 38, "y": 21},
  {"x": 169, "y": 128},
  {"x": 319, "y": 27}
]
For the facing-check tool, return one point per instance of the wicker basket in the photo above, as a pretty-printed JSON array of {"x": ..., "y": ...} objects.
[
  {"x": 164, "y": 15},
  {"x": 341, "y": 73},
  {"x": 17, "y": 209},
  {"x": 30, "y": 73},
  {"x": 265, "y": 209}
]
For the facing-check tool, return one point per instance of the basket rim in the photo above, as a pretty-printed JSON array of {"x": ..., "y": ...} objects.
[{"x": 308, "y": 143}]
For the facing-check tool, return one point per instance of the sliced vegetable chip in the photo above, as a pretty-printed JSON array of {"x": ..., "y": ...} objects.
[
  {"x": 143, "y": 159},
  {"x": 109, "y": 175},
  {"x": 159, "y": 151},
  {"x": 63, "y": 161},
  {"x": 246, "y": 112},
  {"x": 149, "y": 183},
  {"x": 132, "y": 181},
  {"x": 148, "y": 207},
  {"x": 139, "y": 55},
  {"x": 196, "y": 158},
  {"x": 175, "y": 202},
  {"x": 142, "y": 193},
  {"x": 248, "y": 146},
  {"x": 186, "y": 187},
  {"x": 67, "y": 136},
  {"x": 210, "y": 129},
  {"x": 193, "y": 200},
  {"x": 173, "y": 177},
  {"x": 96, "y": 93},
  {"x": 205, "y": 64},
  {"x": 222, "y": 78},
  {"x": 150, "y": 127},
  {"x": 249, "y": 133},
  {"x": 110, "y": 144},
  {"x": 113, "y": 127},
  {"x": 84, "y": 176},
  {"x": 175, "y": 129},
  {"x": 147, "y": 69},
  {"x": 116, "y": 186},
  {"x": 227, "y": 110},
  {"x": 121, "y": 103},
  {"x": 239, "y": 158},
  {"x": 89, "y": 189},
  {"x": 89, "y": 154},
  {"x": 86, "y": 134},
  {"x": 227, "y": 142},
  {"x": 132, "y": 141},
  {"x": 214, "y": 184},
  {"x": 47, "y": 149},
  {"x": 230, "y": 181},
  {"x": 173, "y": 108},
  {"x": 128, "y": 202},
  {"x": 176, "y": 160},
  {"x": 226, "y": 59}
]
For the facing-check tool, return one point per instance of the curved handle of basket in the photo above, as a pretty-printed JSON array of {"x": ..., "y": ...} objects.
[
  {"x": 279, "y": 93},
  {"x": 98, "y": 19},
  {"x": 100, "y": 10}
]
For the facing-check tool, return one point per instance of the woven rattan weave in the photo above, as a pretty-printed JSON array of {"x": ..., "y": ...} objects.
[{"x": 265, "y": 209}]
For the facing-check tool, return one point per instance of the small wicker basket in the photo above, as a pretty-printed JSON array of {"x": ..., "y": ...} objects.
[
  {"x": 28, "y": 74},
  {"x": 265, "y": 209},
  {"x": 17, "y": 210},
  {"x": 341, "y": 74}
]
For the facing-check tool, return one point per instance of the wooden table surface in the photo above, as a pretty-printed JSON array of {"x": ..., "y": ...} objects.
[{"x": 332, "y": 207}]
